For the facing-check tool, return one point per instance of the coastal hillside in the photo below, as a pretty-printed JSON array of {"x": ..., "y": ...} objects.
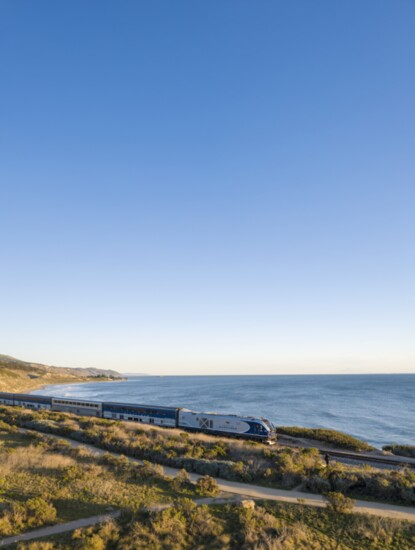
[{"x": 17, "y": 375}]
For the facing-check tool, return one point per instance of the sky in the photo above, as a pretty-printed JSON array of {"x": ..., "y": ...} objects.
[{"x": 212, "y": 187}]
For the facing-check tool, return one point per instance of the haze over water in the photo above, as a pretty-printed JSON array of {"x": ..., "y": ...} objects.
[{"x": 379, "y": 409}]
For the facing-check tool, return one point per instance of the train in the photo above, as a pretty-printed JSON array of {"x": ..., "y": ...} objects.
[{"x": 229, "y": 425}]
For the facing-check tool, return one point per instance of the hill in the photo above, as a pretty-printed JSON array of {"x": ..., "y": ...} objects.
[{"x": 17, "y": 375}]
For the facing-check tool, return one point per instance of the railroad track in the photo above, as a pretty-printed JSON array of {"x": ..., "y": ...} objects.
[{"x": 350, "y": 455}]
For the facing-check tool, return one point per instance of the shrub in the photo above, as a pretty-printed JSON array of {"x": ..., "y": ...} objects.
[
  {"x": 35, "y": 513},
  {"x": 208, "y": 486},
  {"x": 7, "y": 428},
  {"x": 339, "y": 439},
  {"x": 337, "y": 502},
  {"x": 181, "y": 481},
  {"x": 39, "y": 512},
  {"x": 401, "y": 450}
]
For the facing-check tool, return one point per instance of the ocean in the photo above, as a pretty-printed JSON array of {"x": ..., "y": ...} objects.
[{"x": 379, "y": 409}]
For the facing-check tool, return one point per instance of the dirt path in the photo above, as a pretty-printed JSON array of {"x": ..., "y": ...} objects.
[
  {"x": 59, "y": 528},
  {"x": 268, "y": 493}
]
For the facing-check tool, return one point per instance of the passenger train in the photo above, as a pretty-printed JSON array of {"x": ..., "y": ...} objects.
[{"x": 231, "y": 425}]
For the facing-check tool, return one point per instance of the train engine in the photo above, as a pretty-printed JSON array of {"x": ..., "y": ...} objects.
[{"x": 232, "y": 425}]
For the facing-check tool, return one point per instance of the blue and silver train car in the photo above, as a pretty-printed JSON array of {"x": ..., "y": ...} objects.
[
  {"x": 77, "y": 406},
  {"x": 28, "y": 401},
  {"x": 227, "y": 424},
  {"x": 6, "y": 398},
  {"x": 231, "y": 425},
  {"x": 148, "y": 414}
]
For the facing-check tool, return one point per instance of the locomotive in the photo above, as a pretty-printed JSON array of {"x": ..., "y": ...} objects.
[{"x": 230, "y": 425}]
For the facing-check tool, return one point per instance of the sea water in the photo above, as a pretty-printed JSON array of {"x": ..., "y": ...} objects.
[{"x": 379, "y": 409}]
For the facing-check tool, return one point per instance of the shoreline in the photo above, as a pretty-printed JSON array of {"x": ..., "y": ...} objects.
[{"x": 72, "y": 383}]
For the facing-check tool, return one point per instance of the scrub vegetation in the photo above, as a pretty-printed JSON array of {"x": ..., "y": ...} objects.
[
  {"x": 45, "y": 481},
  {"x": 277, "y": 466},
  {"x": 337, "y": 439},
  {"x": 265, "y": 526},
  {"x": 401, "y": 450}
]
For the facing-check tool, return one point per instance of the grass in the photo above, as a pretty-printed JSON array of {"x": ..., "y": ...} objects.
[
  {"x": 13, "y": 440},
  {"x": 74, "y": 481}
]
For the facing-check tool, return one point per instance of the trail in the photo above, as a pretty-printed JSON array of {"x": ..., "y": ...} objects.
[
  {"x": 268, "y": 493},
  {"x": 59, "y": 528}
]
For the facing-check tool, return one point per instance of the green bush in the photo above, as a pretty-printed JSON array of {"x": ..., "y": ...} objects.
[
  {"x": 339, "y": 503},
  {"x": 207, "y": 486},
  {"x": 333, "y": 437},
  {"x": 401, "y": 450},
  {"x": 39, "y": 512},
  {"x": 16, "y": 517}
]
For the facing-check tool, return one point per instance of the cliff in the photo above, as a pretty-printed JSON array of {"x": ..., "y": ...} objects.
[{"x": 22, "y": 376}]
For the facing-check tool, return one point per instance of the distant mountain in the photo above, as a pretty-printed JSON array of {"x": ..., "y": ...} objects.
[{"x": 17, "y": 375}]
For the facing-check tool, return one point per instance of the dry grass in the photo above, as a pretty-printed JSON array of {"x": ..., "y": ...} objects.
[
  {"x": 32, "y": 458},
  {"x": 76, "y": 482}
]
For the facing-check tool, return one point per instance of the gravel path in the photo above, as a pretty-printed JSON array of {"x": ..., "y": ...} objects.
[{"x": 59, "y": 528}]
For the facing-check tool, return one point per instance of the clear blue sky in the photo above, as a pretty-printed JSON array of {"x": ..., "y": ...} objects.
[{"x": 208, "y": 187}]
